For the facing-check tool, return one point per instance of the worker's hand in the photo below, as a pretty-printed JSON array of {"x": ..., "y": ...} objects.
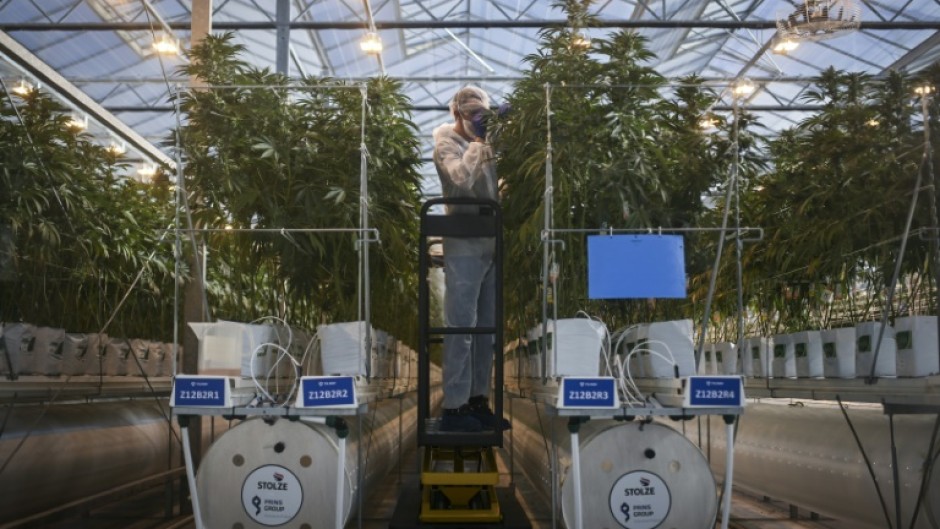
[{"x": 479, "y": 124}]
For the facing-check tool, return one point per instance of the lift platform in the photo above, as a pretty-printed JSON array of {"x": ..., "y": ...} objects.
[{"x": 459, "y": 476}]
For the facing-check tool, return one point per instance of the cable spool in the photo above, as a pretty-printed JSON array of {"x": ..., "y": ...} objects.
[
  {"x": 273, "y": 474},
  {"x": 633, "y": 475},
  {"x": 642, "y": 475}
]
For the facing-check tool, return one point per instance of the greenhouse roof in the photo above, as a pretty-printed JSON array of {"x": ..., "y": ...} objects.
[{"x": 102, "y": 50}]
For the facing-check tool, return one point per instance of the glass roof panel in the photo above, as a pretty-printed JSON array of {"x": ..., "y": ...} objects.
[{"x": 90, "y": 43}]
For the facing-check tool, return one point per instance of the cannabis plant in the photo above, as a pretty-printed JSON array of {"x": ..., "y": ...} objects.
[
  {"x": 79, "y": 233},
  {"x": 835, "y": 204},
  {"x": 263, "y": 152},
  {"x": 623, "y": 156}
]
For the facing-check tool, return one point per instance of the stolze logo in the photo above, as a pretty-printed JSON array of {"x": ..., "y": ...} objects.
[
  {"x": 645, "y": 482},
  {"x": 278, "y": 476}
]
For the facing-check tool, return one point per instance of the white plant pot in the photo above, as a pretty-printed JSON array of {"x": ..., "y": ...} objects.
[
  {"x": 918, "y": 351},
  {"x": 575, "y": 346},
  {"x": 866, "y": 338},
  {"x": 784, "y": 357},
  {"x": 807, "y": 346},
  {"x": 726, "y": 358},
  {"x": 838, "y": 352},
  {"x": 672, "y": 340},
  {"x": 758, "y": 351},
  {"x": 343, "y": 348}
]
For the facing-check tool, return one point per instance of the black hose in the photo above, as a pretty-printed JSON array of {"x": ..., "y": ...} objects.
[
  {"x": 871, "y": 471},
  {"x": 928, "y": 469}
]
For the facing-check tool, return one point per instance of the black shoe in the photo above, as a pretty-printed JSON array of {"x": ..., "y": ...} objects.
[
  {"x": 480, "y": 409},
  {"x": 460, "y": 420}
]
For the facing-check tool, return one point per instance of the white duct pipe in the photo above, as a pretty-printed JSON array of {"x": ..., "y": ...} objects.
[
  {"x": 805, "y": 454},
  {"x": 72, "y": 451}
]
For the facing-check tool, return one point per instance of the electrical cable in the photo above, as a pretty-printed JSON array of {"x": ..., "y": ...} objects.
[
  {"x": 6, "y": 416},
  {"x": 620, "y": 374},
  {"x": 605, "y": 343},
  {"x": 928, "y": 508},
  {"x": 871, "y": 470},
  {"x": 927, "y": 471},
  {"x": 638, "y": 349},
  {"x": 180, "y": 180}
]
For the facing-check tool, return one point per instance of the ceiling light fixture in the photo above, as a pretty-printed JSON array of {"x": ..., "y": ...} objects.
[
  {"x": 785, "y": 46},
  {"x": 924, "y": 89},
  {"x": 580, "y": 41},
  {"x": 371, "y": 43},
  {"x": 818, "y": 19},
  {"x": 77, "y": 122},
  {"x": 707, "y": 123},
  {"x": 23, "y": 88},
  {"x": 743, "y": 88},
  {"x": 116, "y": 148},
  {"x": 147, "y": 172},
  {"x": 166, "y": 46}
]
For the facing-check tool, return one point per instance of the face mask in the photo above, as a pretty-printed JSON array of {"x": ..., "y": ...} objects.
[{"x": 470, "y": 128}]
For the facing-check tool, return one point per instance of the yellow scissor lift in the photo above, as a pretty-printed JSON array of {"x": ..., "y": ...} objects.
[
  {"x": 459, "y": 478},
  {"x": 458, "y": 485}
]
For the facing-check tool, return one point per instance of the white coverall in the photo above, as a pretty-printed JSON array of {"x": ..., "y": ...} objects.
[{"x": 467, "y": 169}]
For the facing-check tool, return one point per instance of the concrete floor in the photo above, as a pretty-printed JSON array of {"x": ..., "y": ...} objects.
[{"x": 747, "y": 511}]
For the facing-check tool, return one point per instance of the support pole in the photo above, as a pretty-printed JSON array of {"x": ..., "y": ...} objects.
[
  {"x": 554, "y": 465},
  {"x": 190, "y": 471},
  {"x": 342, "y": 432},
  {"x": 282, "y": 60},
  {"x": 547, "y": 231},
  {"x": 729, "y": 470},
  {"x": 574, "y": 425}
]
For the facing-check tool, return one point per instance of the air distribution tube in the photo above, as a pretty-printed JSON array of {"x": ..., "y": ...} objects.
[
  {"x": 633, "y": 474},
  {"x": 76, "y": 450},
  {"x": 805, "y": 454}
]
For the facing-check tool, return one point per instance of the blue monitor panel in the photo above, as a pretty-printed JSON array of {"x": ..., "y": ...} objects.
[{"x": 636, "y": 266}]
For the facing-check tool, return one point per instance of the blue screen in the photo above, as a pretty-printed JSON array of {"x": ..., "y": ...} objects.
[{"x": 636, "y": 266}]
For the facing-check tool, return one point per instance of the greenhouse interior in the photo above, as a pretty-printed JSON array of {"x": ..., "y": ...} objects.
[{"x": 519, "y": 264}]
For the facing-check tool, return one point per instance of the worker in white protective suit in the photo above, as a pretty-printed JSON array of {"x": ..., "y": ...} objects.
[{"x": 466, "y": 165}]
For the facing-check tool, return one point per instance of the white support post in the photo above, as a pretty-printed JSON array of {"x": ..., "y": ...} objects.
[
  {"x": 729, "y": 473},
  {"x": 576, "y": 476},
  {"x": 191, "y": 477},
  {"x": 340, "y": 482}
]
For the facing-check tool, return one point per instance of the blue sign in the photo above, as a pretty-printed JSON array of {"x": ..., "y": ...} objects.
[
  {"x": 636, "y": 266},
  {"x": 598, "y": 392},
  {"x": 327, "y": 392},
  {"x": 201, "y": 392},
  {"x": 714, "y": 392}
]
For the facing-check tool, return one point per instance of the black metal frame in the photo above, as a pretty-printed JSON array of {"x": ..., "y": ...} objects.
[{"x": 488, "y": 223}]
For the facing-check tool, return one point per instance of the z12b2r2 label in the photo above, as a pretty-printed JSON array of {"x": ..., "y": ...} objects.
[{"x": 640, "y": 500}]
